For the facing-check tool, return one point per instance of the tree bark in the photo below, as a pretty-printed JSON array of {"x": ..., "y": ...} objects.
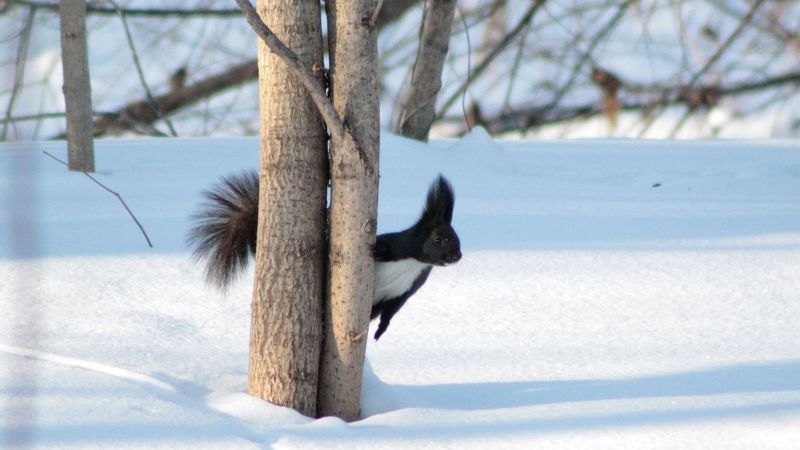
[
  {"x": 77, "y": 89},
  {"x": 419, "y": 105},
  {"x": 285, "y": 336},
  {"x": 353, "y": 210}
]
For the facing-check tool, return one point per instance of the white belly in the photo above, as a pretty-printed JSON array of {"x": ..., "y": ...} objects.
[{"x": 395, "y": 277}]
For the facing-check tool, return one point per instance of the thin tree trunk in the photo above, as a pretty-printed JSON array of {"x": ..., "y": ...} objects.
[
  {"x": 77, "y": 89},
  {"x": 285, "y": 336},
  {"x": 419, "y": 105},
  {"x": 354, "y": 196}
]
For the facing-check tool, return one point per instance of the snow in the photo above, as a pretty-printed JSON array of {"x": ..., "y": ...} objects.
[{"x": 613, "y": 294}]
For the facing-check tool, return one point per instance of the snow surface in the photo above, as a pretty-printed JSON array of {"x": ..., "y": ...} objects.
[{"x": 612, "y": 294}]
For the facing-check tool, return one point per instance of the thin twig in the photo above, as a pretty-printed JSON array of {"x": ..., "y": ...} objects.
[
  {"x": 119, "y": 197},
  {"x": 714, "y": 58},
  {"x": 771, "y": 24},
  {"x": 29, "y": 117},
  {"x": 139, "y": 70},
  {"x": 682, "y": 121},
  {"x": 469, "y": 69},
  {"x": 374, "y": 20},
  {"x": 588, "y": 53},
  {"x": 660, "y": 110},
  {"x": 354, "y": 337},
  {"x": 658, "y": 96},
  {"x": 293, "y": 62},
  {"x": 515, "y": 70},
  {"x": 722, "y": 48},
  {"x": 484, "y": 64},
  {"x": 19, "y": 72}
]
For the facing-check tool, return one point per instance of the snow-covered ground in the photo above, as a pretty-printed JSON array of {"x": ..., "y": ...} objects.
[{"x": 613, "y": 294}]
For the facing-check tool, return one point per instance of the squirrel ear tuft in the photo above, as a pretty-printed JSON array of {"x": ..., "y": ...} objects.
[{"x": 439, "y": 204}]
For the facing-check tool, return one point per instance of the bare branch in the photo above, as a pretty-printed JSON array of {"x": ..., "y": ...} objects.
[
  {"x": 304, "y": 74},
  {"x": 576, "y": 69},
  {"x": 339, "y": 131},
  {"x": 469, "y": 71},
  {"x": 714, "y": 58},
  {"x": 45, "y": 116},
  {"x": 116, "y": 194},
  {"x": 484, "y": 64},
  {"x": 656, "y": 96},
  {"x": 31, "y": 117},
  {"x": 514, "y": 70},
  {"x": 140, "y": 114},
  {"x": 150, "y": 100},
  {"x": 771, "y": 24},
  {"x": 725, "y": 45},
  {"x": 19, "y": 72},
  {"x": 374, "y": 20}
]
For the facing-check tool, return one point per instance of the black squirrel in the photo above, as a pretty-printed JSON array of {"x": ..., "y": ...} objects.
[{"x": 227, "y": 223}]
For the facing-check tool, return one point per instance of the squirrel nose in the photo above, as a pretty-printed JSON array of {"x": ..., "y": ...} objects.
[{"x": 454, "y": 257}]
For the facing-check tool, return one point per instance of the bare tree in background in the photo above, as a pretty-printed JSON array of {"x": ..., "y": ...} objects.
[
  {"x": 523, "y": 64},
  {"x": 418, "y": 109},
  {"x": 77, "y": 88},
  {"x": 732, "y": 51}
]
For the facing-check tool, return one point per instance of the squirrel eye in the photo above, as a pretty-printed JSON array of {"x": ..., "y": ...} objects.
[{"x": 437, "y": 241}]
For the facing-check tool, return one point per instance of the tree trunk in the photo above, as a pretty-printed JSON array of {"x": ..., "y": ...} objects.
[
  {"x": 354, "y": 196},
  {"x": 285, "y": 336},
  {"x": 77, "y": 89},
  {"x": 419, "y": 105}
]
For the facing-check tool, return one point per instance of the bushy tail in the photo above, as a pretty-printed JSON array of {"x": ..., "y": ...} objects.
[{"x": 226, "y": 229}]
